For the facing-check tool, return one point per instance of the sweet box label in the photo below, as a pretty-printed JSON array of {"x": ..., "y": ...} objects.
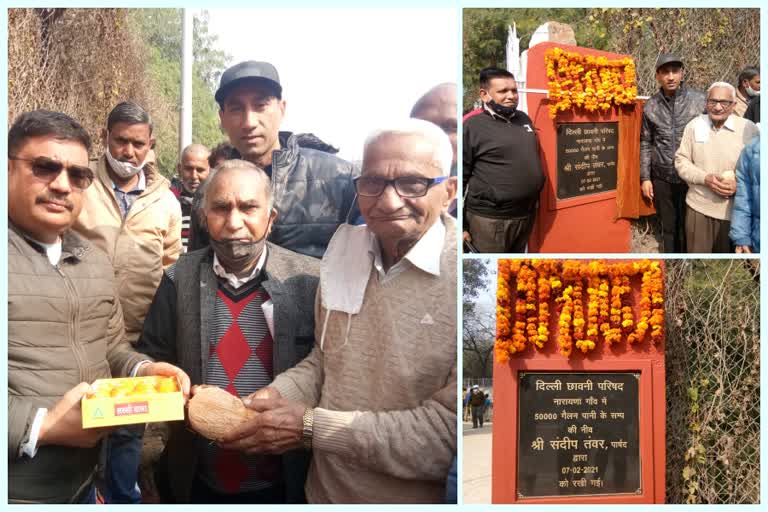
[
  {"x": 149, "y": 400},
  {"x": 131, "y": 408}
]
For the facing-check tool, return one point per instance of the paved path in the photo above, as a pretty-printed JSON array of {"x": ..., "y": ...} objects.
[{"x": 477, "y": 464}]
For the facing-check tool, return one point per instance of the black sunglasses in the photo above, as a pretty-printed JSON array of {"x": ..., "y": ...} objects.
[
  {"x": 48, "y": 170},
  {"x": 406, "y": 186}
]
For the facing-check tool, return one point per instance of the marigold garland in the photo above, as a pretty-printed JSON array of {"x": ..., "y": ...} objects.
[
  {"x": 564, "y": 339},
  {"x": 588, "y": 82},
  {"x": 526, "y": 287},
  {"x": 504, "y": 320}
]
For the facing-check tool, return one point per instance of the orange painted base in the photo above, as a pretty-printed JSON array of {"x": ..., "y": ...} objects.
[
  {"x": 586, "y": 224},
  {"x": 646, "y": 358}
]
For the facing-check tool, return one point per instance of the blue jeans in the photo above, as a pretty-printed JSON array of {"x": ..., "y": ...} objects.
[
  {"x": 450, "y": 484},
  {"x": 89, "y": 496},
  {"x": 123, "y": 456}
]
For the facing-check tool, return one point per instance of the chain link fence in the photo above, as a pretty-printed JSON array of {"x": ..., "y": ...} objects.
[
  {"x": 714, "y": 44},
  {"x": 713, "y": 381}
]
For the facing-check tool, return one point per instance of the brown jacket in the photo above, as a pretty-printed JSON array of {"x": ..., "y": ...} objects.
[
  {"x": 65, "y": 326},
  {"x": 140, "y": 247}
]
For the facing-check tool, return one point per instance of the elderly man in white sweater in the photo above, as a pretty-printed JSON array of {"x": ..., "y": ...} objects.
[
  {"x": 375, "y": 400},
  {"x": 706, "y": 160}
]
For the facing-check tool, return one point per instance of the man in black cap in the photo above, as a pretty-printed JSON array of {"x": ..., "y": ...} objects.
[
  {"x": 665, "y": 115},
  {"x": 313, "y": 188}
]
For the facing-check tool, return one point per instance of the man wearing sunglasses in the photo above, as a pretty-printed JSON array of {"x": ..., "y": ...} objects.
[
  {"x": 65, "y": 323},
  {"x": 375, "y": 400},
  {"x": 130, "y": 213},
  {"x": 706, "y": 160}
]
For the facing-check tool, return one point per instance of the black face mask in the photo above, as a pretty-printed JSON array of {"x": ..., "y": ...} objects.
[
  {"x": 236, "y": 256},
  {"x": 502, "y": 110}
]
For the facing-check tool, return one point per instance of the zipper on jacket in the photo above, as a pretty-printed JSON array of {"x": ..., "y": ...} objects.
[
  {"x": 674, "y": 131},
  {"x": 76, "y": 348}
]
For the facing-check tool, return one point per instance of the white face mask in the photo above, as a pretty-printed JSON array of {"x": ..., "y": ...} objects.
[
  {"x": 122, "y": 169},
  {"x": 751, "y": 92}
]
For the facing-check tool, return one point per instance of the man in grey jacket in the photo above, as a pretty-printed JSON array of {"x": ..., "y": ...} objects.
[
  {"x": 233, "y": 315},
  {"x": 65, "y": 324},
  {"x": 665, "y": 115},
  {"x": 312, "y": 188}
]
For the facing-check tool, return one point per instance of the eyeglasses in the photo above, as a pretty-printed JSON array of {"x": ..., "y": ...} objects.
[
  {"x": 407, "y": 186},
  {"x": 48, "y": 170},
  {"x": 722, "y": 103}
]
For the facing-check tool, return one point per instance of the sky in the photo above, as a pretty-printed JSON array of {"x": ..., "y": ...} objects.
[{"x": 345, "y": 72}]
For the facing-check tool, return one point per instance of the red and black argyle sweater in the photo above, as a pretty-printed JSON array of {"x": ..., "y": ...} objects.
[{"x": 240, "y": 361}]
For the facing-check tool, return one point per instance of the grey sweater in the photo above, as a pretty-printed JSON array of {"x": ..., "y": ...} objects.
[{"x": 385, "y": 402}]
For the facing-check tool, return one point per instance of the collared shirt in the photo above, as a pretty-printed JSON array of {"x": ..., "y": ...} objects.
[
  {"x": 126, "y": 199},
  {"x": 232, "y": 279},
  {"x": 425, "y": 254},
  {"x": 704, "y": 127}
]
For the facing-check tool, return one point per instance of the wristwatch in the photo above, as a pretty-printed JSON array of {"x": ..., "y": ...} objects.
[{"x": 306, "y": 432}]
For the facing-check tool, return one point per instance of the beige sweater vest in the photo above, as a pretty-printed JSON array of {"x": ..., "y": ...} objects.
[
  {"x": 385, "y": 403},
  {"x": 694, "y": 160}
]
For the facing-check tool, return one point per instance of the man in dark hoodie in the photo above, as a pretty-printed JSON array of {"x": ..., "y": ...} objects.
[
  {"x": 312, "y": 188},
  {"x": 665, "y": 115}
]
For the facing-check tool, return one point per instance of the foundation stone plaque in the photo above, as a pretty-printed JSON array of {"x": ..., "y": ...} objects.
[{"x": 578, "y": 434}]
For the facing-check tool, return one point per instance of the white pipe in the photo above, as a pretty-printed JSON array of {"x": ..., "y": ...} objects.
[
  {"x": 545, "y": 91},
  {"x": 187, "y": 58}
]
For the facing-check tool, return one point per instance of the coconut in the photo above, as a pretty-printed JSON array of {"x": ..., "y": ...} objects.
[{"x": 213, "y": 412}]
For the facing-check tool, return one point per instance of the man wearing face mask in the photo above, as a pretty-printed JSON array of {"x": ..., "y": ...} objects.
[
  {"x": 502, "y": 170},
  {"x": 130, "y": 213},
  {"x": 375, "y": 400},
  {"x": 234, "y": 314},
  {"x": 748, "y": 88}
]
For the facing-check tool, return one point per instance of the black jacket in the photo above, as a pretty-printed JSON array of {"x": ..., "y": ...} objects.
[
  {"x": 176, "y": 330},
  {"x": 501, "y": 167},
  {"x": 753, "y": 110},
  {"x": 664, "y": 120},
  {"x": 313, "y": 193}
]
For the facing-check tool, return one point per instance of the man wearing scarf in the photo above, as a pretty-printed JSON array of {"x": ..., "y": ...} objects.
[{"x": 234, "y": 315}]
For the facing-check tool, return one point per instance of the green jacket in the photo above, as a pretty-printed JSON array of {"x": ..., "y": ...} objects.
[{"x": 65, "y": 326}]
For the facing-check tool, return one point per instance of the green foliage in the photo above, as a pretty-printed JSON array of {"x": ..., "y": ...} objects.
[
  {"x": 485, "y": 37},
  {"x": 475, "y": 274},
  {"x": 712, "y": 370},
  {"x": 160, "y": 29}
]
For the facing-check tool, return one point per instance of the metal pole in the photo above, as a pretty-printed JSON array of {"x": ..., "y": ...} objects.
[{"x": 185, "y": 130}]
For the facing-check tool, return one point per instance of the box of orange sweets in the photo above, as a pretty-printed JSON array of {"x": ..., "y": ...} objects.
[{"x": 132, "y": 400}]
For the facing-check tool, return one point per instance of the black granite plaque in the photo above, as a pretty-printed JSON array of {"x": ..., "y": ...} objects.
[
  {"x": 579, "y": 434},
  {"x": 586, "y": 158}
]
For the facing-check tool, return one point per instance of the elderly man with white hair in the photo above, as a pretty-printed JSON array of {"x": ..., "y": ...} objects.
[
  {"x": 706, "y": 160},
  {"x": 375, "y": 400}
]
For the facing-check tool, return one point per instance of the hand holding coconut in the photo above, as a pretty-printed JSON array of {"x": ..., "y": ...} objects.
[
  {"x": 213, "y": 412},
  {"x": 277, "y": 426},
  {"x": 268, "y": 424}
]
